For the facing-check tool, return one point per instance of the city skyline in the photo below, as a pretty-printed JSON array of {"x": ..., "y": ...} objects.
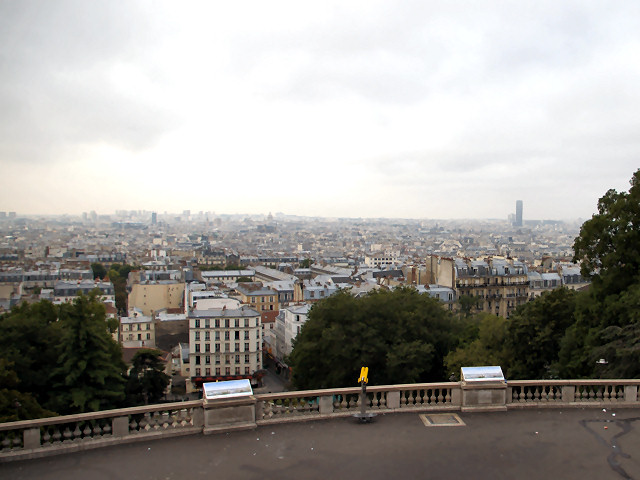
[{"x": 365, "y": 110}]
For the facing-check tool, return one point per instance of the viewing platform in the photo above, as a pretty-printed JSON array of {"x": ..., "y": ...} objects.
[{"x": 561, "y": 428}]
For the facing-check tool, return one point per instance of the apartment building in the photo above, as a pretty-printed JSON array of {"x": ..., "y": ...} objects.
[
  {"x": 137, "y": 331},
  {"x": 288, "y": 325},
  {"x": 499, "y": 285},
  {"x": 224, "y": 344}
]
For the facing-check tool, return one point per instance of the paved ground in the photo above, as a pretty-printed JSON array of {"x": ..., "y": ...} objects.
[{"x": 541, "y": 444}]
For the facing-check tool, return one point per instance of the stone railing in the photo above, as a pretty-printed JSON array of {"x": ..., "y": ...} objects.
[
  {"x": 49, "y": 436},
  {"x": 543, "y": 393},
  {"x": 296, "y": 406},
  {"x": 69, "y": 433}
]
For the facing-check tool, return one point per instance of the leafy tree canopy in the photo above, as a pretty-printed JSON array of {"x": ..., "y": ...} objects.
[
  {"x": 402, "y": 336},
  {"x": 609, "y": 243},
  {"x": 147, "y": 381}
]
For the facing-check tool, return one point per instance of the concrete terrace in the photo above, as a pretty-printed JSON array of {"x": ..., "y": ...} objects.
[{"x": 545, "y": 443}]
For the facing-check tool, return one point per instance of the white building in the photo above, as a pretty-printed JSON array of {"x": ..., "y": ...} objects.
[
  {"x": 137, "y": 331},
  {"x": 288, "y": 325},
  {"x": 224, "y": 344}
]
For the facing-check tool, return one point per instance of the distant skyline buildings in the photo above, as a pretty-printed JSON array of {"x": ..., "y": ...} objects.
[{"x": 518, "y": 221}]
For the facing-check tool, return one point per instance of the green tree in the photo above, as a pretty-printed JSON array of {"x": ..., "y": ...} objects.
[
  {"x": 147, "y": 381},
  {"x": 29, "y": 339},
  {"x": 306, "y": 263},
  {"x": 119, "y": 274},
  {"x": 467, "y": 304},
  {"x": 485, "y": 348},
  {"x": 90, "y": 371},
  {"x": 535, "y": 333},
  {"x": 98, "y": 271},
  {"x": 608, "y": 246},
  {"x": 16, "y": 405},
  {"x": 402, "y": 336}
]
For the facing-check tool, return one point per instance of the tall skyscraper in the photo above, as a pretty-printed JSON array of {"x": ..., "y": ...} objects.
[{"x": 518, "y": 222}]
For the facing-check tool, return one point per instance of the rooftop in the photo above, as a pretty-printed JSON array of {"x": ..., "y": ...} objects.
[{"x": 566, "y": 444}]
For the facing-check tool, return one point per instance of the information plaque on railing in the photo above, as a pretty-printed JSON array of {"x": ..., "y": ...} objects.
[
  {"x": 482, "y": 374},
  {"x": 228, "y": 389}
]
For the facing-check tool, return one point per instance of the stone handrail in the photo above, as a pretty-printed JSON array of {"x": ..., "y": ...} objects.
[{"x": 48, "y": 436}]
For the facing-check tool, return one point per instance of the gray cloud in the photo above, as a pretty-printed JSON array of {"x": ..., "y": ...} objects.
[{"x": 54, "y": 78}]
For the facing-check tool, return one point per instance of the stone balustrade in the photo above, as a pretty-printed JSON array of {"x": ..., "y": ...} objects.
[{"x": 49, "y": 436}]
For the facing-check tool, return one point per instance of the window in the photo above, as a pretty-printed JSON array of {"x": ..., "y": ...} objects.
[
  {"x": 227, "y": 359},
  {"x": 207, "y": 359},
  {"x": 139, "y": 336},
  {"x": 217, "y": 359},
  {"x": 246, "y": 370},
  {"x": 197, "y": 357},
  {"x": 227, "y": 348},
  {"x": 207, "y": 347},
  {"x": 237, "y": 335},
  {"x": 217, "y": 323},
  {"x": 246, "y": 359},
  {"x": 148, "y": 336},
  {"x": 237, "y": 347},
  {"x": 217, "y": 371},
  {"x": 197, "y": 372},
  {"x": 237, "y": 322},
  {"x": 197, "y": 323},
  {"x": 226, "y": 335},
  {"x": 246, "y": 335},
  {"x": 217, "y": 335},
  {"x": 257, "y": 345},
  {"x": 226, "y": 323},
  {"x": 227, "y": 371},
  {"x": 246, "y": 322},
  {"x": 237, "y": 358},
  {"x": 246, "y": 347},
  {"x": 217, "y": 347},
  {"x": 197, "y": 336},
  {"x": 207, "y": 371},
  {"x": 237, "y": 370},
  {"x": 207, "y": 335},
  {"x": 197, "y": 347},
  {"x": 207, "y": 323}
]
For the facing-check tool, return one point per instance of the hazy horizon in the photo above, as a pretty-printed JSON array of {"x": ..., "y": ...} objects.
[{"x": 422, "y": 110}]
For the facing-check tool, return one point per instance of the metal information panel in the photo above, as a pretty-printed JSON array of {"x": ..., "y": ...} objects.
[
  {"x": 228, "y": 389},
  {"x": 482, "y": 374}
]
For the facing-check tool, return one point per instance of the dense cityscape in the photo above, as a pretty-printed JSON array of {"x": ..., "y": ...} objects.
[{"x": 190, "y": 271}]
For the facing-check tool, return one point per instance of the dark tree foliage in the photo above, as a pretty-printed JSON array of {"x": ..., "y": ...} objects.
[
  {"x": 306, "y": 263},
  {"x": 402, "y": 336},
  {"x": 118, "y": 274},
  {"x": 609, "y": 243},
  {"x": 609, "y": 249},
  {"x": 90, "y": 372},
  {"x": 16, "y": 405},
  {"x": 482, "y": 344},
  {"x": 535, "y": 333},
  {"x": 147, "y": 381},
  {"x": 29, "y": 338},
  {"x": 98, "y": 271}
]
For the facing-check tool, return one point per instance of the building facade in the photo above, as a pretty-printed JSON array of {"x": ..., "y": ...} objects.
[{"x": 224, "y": 344}]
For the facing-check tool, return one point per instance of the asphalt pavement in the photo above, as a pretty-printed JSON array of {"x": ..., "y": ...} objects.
[{"x": 524, "y": 444}]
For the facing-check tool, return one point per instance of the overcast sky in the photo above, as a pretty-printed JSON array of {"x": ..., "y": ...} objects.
[{"x": 413, "y": 109}]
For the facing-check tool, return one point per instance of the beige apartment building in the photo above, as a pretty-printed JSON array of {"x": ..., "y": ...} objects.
[
  {"x": 149, "y": 297},
  {"x": 498, "y": 285},
  {"x": 224, "y": 344}
]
